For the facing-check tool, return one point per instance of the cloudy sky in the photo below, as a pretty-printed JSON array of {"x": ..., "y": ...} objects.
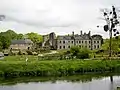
[{"x": 59, "y": 16}]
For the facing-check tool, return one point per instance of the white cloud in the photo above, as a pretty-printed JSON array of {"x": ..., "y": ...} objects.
[{"x": 60, "y": 16}]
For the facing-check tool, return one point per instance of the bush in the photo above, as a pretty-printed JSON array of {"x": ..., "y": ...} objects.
[
  {"x": 20, "y": 52},
  {"x": 74, "y": 50},
  {"x": 11, "y": 53},
  {"x": 29, "y": 52},
  {"x": 79, "y": 53},
  {"x": 83, "y": 54}
]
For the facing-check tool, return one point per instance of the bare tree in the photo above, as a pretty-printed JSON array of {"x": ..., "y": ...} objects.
[
  {"x": 112, "y": 21},
  {"x": 2, "y": 17}
]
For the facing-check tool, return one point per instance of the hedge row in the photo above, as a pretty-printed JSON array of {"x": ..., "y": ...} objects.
[{"x": 57, "y": 68}]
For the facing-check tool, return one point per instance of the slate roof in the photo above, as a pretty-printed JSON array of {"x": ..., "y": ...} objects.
[
  {"x": 21, "y": 41},
  {"x": 65, "y": 37},
  {"x": 96, "y": 37},
  {"x": 76, "y": 37}
]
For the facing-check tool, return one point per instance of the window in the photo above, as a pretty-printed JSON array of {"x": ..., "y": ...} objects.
[
  {"x": 89, "y": 46},
  {"x": 68, "y": 46},
  {"x": 97, "y": 41},
  {"x": 60, "y": 41},
  {"x": 63, "y": 41},
  {"x": 68, "y": 41},
  {"x": 71, "y": 41},
  {"x": 64, "y": 47},
  {"x": 85, "y": 42},
  {"x": 85, "y": 46},
  {"x": 28, "y": 48},
  {"x": 60, "y": 47},
  {"x": 89, "y": 42},
  {"x": 82, "y": 41},
  {"x": 94, "y": 46},
  {"x": 98, "y": 46},
  {"x": 94, "y": 41},
  {"x": 79, "y": 41},
  {"x": 76, "y": 41}
]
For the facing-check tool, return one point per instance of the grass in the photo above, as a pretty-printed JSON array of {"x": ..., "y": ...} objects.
[{"x": 16, "y": 66}]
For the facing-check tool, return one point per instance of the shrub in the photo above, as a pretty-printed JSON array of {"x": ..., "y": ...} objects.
[
  {"x": 11, "y": 53},
  {"x": 74, "y": 50},
  {"x": 29, "y": 52},
  {"x": 83, "y": 55},
  {"x": 20, "y": 52},
  {"x": 79, "y": 53}
]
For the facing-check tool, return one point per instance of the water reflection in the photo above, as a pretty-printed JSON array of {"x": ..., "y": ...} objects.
[
  {"x": 76, "y": 82},
  {"x": 74, "y": 78}
]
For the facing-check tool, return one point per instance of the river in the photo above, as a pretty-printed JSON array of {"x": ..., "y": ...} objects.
[{"x": 80, "y": 83}]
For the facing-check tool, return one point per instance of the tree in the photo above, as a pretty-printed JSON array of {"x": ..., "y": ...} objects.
[
  {"x": 11, "y": 34},
  {"x": 83, "y": 53},
  {"x": 6, "y": 37},
  {"x": 5, "y": 41},
  {"x": 74, "y": 50},
  {"x": 20, "y": 36},
  {"x": 111, "y": 23},
  {"x": 36, "y": 38},
  {"x": 1, "y": 46},
  {"x": 115, "y": 47},
  {"x": 80, "y": 53},
  {"x": 2, "y": 17}
]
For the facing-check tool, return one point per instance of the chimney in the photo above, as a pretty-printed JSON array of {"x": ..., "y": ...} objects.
[
  {"x": 89, "y": 33},
  {"x": 80, "y": 32},
  {"x": 73, "y": 33}
]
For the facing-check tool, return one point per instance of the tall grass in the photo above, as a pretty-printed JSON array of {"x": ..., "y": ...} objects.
[{"x": 16, "y": 68}]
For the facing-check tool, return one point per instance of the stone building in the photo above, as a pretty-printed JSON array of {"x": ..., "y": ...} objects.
[
  {"x": 85, "y": 40},
  {"x": 82, "y": 40},
  {"x": 49, "y": 41},
  {"x": 22, "y": 44}
]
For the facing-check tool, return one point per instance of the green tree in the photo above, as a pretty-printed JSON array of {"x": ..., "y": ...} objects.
[
  {"x": 115, "y": 47},
  {"x": 36, "y": 38},
  {"x": 1, "y": 46},
  {"x": 74, "y": 50},
  {"x": 80, "y": 53},
  {"x": 11, "y": 34},
  {"x": 5, "y": 41},
  {"x": 83, "y": 53},
  {"x": 20, "y": 36},
  {"x": 6, "y": 37}
]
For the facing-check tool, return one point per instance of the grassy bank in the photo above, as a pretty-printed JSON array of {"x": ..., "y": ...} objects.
[{"x": 19, "y": 68}]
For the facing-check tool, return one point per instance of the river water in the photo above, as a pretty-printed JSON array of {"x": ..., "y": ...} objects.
[{"x": 103, "y": 83}]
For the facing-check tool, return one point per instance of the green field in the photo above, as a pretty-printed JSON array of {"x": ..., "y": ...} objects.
[{"x": 16, "y": 66}]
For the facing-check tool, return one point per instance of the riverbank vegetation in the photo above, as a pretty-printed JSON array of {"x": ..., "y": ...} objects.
[{"x": 33, "y": 67}]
